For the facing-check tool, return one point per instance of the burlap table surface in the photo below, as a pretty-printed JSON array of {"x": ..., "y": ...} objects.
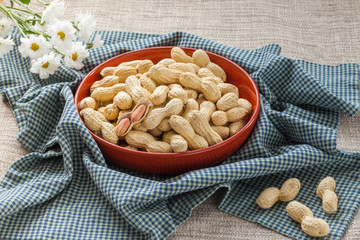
[{"x": 326, "y": 32}]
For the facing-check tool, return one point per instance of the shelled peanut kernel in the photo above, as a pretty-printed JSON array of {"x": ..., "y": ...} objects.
[{"x": 179, "y": 104}]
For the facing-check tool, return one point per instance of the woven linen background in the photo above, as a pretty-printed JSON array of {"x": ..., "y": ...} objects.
[{"x": 326, "y": 32}]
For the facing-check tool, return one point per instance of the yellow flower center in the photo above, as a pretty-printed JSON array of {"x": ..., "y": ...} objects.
[
  {"x": 45, "y": 65},
  {"x": 34, "y": 46},
  {"x": 61, "y": 34},
  {"x": 74, "y": 56}
]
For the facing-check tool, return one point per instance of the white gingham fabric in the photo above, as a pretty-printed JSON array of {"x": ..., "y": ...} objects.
[{"x": 64, "y": 189}]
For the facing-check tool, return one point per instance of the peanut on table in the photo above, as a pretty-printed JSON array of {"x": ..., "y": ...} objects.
[{"x": 180, "y": 104}]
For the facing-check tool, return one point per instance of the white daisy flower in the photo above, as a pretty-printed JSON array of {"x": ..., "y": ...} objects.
[
  {"x": 45, "y": 65},
  {"x": 62, "y": 34},
  {"x": 86, "y": 26},
  {"x": 6, "y": 44},
  {"x": 34, "y": 46},
  {"x": 41, "y": 27},
  {"x": 76, "y": 55},
  {"x": 5, "y": 27},
  {"x": 54, "y": 11},
  {"x": 97, "y": 42}
]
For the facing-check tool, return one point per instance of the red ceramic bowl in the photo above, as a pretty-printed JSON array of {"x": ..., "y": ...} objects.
[{"x": 175, "y": 163}]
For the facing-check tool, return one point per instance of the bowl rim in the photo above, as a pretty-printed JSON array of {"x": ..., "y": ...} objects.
[{"x": 253, "y": 118}]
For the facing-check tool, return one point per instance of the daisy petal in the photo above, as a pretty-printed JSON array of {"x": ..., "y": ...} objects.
[
  {"x": 6, "y": 44},
  {"x": 46, "y": 65},
  {"x": 74, "y": 58},
  {"x": 34, "y": 46}
]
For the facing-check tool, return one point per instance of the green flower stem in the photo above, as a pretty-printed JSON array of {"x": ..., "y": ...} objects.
[
  {"x": 89, "y": 45},
  {"x": 21, "y": 23},
  {"x": 4, "y": 11},
  {"x": 10, "y": 14},
  {"x": 34, "y": 31},
  {"x": 74, "y": 24},
  {"x": 32, "y": 20},
  {"x": 43, "y": 3},
  {"x": 23, "y": 10},
  {"x": 27, "y": 8},
  {"x": 57, "y": 51},
  {"x": 18, "y": 26}
]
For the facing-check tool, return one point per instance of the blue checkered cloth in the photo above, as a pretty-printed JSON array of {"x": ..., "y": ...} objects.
[{"x": 64, "y": 189}]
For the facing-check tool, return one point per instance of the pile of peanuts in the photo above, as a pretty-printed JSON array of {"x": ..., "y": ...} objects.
[{"x": 181, "y": 103}]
